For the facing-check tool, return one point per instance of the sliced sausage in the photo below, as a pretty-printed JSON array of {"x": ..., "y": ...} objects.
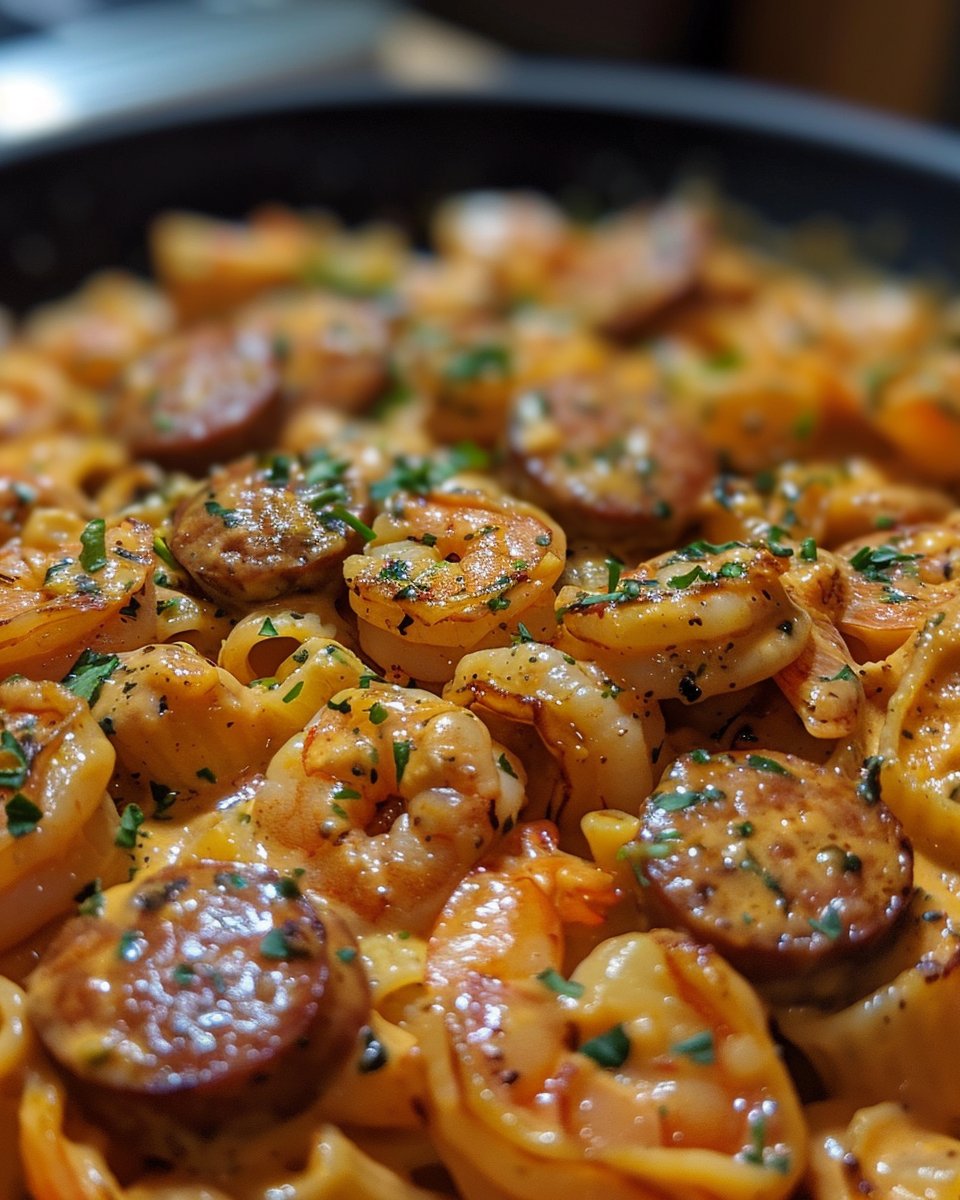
[
  {"x": 212, "y": 990},
  {"x": 203, "y": 397},
  {"x": 634, "y": 266},
  {"x": 258, "y": 530},
  {"x": 332, "y": 349},
  {"x": 607, "y": 462},
  {"x": 783, "y": 866}
]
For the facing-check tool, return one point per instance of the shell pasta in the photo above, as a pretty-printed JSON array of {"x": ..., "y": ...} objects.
[{"x": 479, "y": 724}]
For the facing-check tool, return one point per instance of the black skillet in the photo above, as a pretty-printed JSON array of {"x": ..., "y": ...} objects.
[{"x": 594, "y": 136}]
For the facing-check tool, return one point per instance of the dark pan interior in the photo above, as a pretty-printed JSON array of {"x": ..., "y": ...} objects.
[{"x": 84, "y": 203}]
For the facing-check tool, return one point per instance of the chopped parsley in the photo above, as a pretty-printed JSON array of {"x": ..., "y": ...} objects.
[
  {"x": 23, "y": 816},
  {"x": 283, "y": 944},
  {"x": 267, "y": 629},
  {"x": 699, "y": 1048},
  {"x": 875, "y": 562},
  {"x": 130, "y": 821},
  {"x": 401, "y": 756},
  {"x": 90, "y": 899},
  {"x": 14, "y": 776},
  {"x": 130, "y": 945},
  {"x": 93, "y": 555},
  {"x": 504, "y": 764},
  {"x": 760, "y": 763},
  {"x": 675, "y": 801},
  {"x": 563, "y": 987},
  {"x": 289, "y": 697},
  {"x": 478, "y": 362},
  {"x": 85, "y": 678},
  {"x": 868, "y": 787},
  {"x": 229, "y": 516},
  {"x": 610, "y": 1049}
]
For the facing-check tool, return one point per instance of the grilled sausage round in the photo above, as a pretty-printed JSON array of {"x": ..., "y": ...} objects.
[
  {"x": 213, "y": 990},
  {"x": 258, "y": 530},
  {"x": 784, "y": 866},
  {"x": 607, "y": 461},
  {"x": 203, "y": 397}
]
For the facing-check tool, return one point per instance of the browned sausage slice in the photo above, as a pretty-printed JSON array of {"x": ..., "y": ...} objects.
[
  {"x": 203, "y": 397},
  {"x": 607, "y": 461},
  {"x": 784, "y": 866},
  {"x": 213, "y": 990},
  {"x": 262, "y": 529},
  {"x": 635, "y": 265}
]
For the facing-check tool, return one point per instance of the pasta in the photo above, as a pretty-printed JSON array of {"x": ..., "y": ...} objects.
[{"x": 479, "y": 724}]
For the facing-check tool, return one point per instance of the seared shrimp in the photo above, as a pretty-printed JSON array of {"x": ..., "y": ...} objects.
[
  {"x": 700, "y": 621},
  {"x": 607, "y": 462},
  {"x": 59, "y": 827},
  {"x": 602, "y": 736},
  {"x": 95, "y": 332},
  {"x": 385, "y": 799},
  {"x": 894, "y": 582},
  {"x": 919, "y": 413},
  {"x": 450, "y": 572},
  {"x": 260, "y": 529},
  {"x": 648, "y": 1072},
  {"x": 84, "y": 591},
  {"x": 36, "y": 397},
  {"x": 209, "y": 265},
  {"x": 519, "y": 238}
]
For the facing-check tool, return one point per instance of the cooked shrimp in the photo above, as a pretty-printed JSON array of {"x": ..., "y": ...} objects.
[
  {"x": 450, "y": 572},
  {"x": 58, "y": 833},
  {"x": 649, "y": 1072},
  {"x": 263, "y": 528},
  {"x": 607, "y": 462},
  {"x": 184, "y": 728},
  {"x": 519, "y": 238},
  {"x": 510, "y": 915},
  {"x": 96, "y": 331},
  {"x": 386, "y": 798},
  {"x": 209, "y": 265},
  {"x": 828, "y": 501},
  {"x": 919, "y": 413},
  {"x": 37, "y": 397},
  {"x": 755, "y": 410},
  {"x": 883, "y": 1152},
  {"x": 55, "y": 602},
  {"x": 671, "y": 628},
  {"x": 601, "y": 735},
  {"x": 371, "y": 447},
  {"x": 894, "y": 582}
]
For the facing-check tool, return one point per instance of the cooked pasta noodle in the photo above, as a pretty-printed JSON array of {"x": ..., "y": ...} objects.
[{"x": 479, "y": 724}]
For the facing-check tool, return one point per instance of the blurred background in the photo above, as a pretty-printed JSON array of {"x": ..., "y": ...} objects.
[{"x": 66, "y": 61}]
